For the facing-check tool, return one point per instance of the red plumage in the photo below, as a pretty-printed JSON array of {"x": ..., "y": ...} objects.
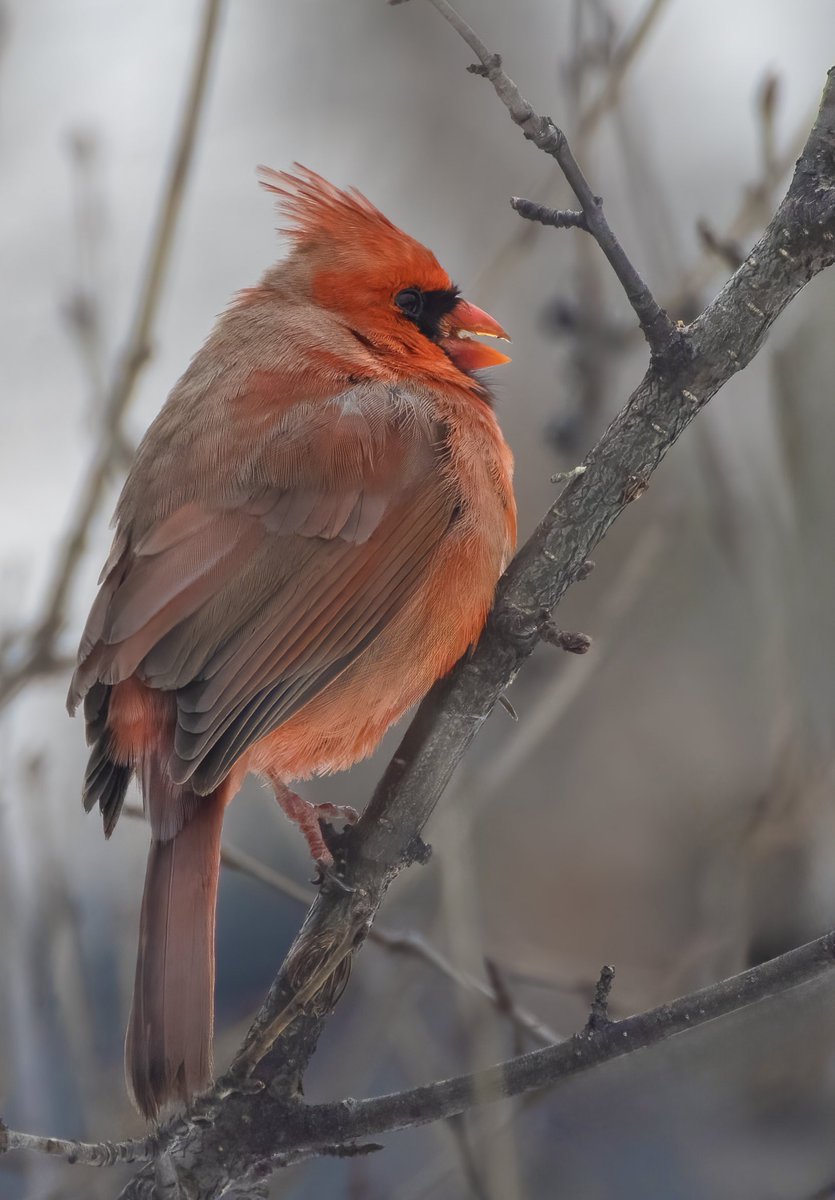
[{"x": 309, "y": 537}]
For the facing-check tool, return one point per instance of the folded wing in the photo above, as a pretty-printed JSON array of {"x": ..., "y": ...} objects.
[{"x": 246, "y": 606}]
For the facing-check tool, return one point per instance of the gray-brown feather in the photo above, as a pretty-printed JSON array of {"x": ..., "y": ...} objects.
[
  {"x": 168, "y": 1050},
  {"x": 247, "y": 602}
]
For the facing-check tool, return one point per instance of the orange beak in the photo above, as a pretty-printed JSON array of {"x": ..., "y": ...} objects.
[{"x": 467, "y": 354}]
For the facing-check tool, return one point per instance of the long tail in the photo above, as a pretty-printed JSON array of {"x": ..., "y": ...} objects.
[{"x": 168, "y": 1050}]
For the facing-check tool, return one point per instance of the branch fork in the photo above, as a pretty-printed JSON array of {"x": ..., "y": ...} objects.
[{"x": 522, "y": 631}]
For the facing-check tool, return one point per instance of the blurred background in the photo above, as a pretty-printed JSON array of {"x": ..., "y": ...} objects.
[{"x": 664, "y": 803}]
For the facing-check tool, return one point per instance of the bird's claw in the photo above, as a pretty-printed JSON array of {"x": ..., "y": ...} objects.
[{"x": 328, "y": 881}]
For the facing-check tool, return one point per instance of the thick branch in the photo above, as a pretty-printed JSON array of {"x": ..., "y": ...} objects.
[
  {"x": 288, "y": 1131},
  {"x": 405, "y": 942},
  {"x": 602, "y": 1043}
]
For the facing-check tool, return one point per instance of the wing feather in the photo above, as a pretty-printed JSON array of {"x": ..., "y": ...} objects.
[
  {"x": 249, "y": 600},
  {"x": 258, "y": 689}
]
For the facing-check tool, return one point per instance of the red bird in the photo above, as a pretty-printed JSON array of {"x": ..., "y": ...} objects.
[{"x": 309, "y": 537}]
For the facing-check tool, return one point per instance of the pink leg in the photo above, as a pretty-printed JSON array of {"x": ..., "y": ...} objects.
[{"x": 307, "y": 815}]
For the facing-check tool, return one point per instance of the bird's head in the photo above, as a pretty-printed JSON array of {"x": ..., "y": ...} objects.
[{"x": 387, "y": 288}]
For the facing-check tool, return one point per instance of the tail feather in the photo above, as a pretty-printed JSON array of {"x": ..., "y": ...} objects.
[
  {"x": 107, "y": 777},
  {"x": 168, "y": 1050}
]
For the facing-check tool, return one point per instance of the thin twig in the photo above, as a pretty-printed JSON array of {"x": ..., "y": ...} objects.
[
  {"x": 405, "y": 941},
  {"x": 90, "y": 1154},
  {"x": 578, "y": 1055},
  {"x": 622, "y": 60},
  {"x": 38, "y": 656},
  {"x": 587, "y": 124},
  {"x": 659, "y": 331},
  {"x": 415, "y": 944},
  {"x": 560, "y": 218}
]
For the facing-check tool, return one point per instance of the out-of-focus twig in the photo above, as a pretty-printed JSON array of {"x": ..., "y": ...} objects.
[
  {"x": 724, "y": 248},
  {"x": 752, "y": 212},
  {"x": 83, "y": 306},
  {"x": 504, "y": 996},
  {"x": 827, "y": 1192},
  {"x": 471, "y": 1169},
  {"x": 659, "y": 331},
  {"x": 581, "y": 1053},
  {"x": 405, "y": 941},
  {"x": 413, "y": 943},
  {"x": 622, "y": 60},
  {"x": 624, "y": 56},
  {"x": 36, "y": 654},
  {"x": 767, "y": 101}
]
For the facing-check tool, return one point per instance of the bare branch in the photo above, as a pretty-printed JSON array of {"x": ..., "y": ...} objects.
[
  {"x": 660, "y": 332},
  {"x": 725, "y": 248},
  {"x": 90, "y": 1154},
  {"x": 622, "y": 60},
  {"x": 287, "y": 1130},
  {"x": 406, "y": 941},
  {"x": 38, "y": 656},
  {"x": 583, "y": 1052},
  {"x": 560, "y": 218}
]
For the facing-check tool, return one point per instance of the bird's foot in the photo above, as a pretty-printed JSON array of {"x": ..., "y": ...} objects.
[{"x": 309, "y": 818}]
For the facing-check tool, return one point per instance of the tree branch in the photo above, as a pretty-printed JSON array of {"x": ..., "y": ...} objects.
[
  {"x": 407, "y": 942},
  {"x": 660, "y": 332},
  {"x": 600, "y": 1042},
  {"x": 90, "y": 1154},
  {"x": 287, "y": 1130},
  {"x": 38, "y": 656}
]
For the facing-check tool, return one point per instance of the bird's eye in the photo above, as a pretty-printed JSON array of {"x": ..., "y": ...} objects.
[{"x": 410, "y": 302}]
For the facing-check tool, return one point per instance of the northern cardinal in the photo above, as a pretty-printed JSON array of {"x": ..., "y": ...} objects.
[{"x": 310, "y": 535}]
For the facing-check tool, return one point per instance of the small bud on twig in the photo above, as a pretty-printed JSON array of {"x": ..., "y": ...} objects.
[
  {"x": 560, "y": 218},
  {"x": 599, "y": 1012}
]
